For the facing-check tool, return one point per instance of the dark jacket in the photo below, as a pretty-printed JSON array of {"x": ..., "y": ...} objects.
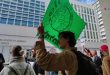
[
  {"x": 38, "y": 69},
  {"x": 2, "y": 60},
  {"x": 98, "y": 62}
]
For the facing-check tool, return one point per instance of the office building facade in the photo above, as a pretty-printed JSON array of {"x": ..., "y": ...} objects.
[
  {"x": 100, "y": 22},
  {"x": 21, "y": 12},
  {"x": 105, "y": 11},
  {"x": 19, "y": 20},
  {"x": 89, "y": 37}
]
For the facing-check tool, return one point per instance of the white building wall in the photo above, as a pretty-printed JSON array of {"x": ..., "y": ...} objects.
[
  {"x": 100, "y": 22},
  {"x": 105, "y": 8},
  {"x": 15, "y": 35},
  {"x": 90, "y": 33}
]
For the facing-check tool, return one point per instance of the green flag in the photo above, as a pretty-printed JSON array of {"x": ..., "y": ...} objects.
[{"x": 59, "y": 17}]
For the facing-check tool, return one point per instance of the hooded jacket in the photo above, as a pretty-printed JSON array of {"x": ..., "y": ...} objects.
[
  {"x": 19, "y": 65},
  {"x": 64, "y": 61}
]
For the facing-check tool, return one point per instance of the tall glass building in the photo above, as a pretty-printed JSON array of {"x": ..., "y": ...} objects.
[
  {"x": 19, "y": 20},
  {"x": 21, "y": 12}
]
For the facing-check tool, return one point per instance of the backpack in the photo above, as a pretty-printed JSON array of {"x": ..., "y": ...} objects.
[
  {"x": 85, "y": 65},
  {"x": 14, "y": 71}
]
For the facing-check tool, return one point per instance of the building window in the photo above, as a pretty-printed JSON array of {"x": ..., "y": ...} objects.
[
  {"x": 32, "y": 0},
  {"x": 88, "y": 34},
  {"x": 41, "y": 18},
  {"x": 94, "y": 19},
  {"x": 87, "y": 10},
  {"x": 19, "y": 8},
  {"x": 12, "y": 3},
  {"x": 12, "y": 16},
  {"x": 31, "y": 16},
  {"x": 24, "y": 18},
  {"x": 3, "y": 20},
  {"x": 0, "y": 4},
  {"x": 18, "y": 17},
  {"x": 13, "y": 7},
  {"x": 95, "y": 27},
  {"x": 93, "y": 12},
  {"x": 5, "y": 6},
  {"x": 94, "y": 34},
  {"x": 85, "y": 17},
  {"x": 12, "y": 13},
  {"x": 87, "y": 26},
  {"x": 24, "y": 23},
  {"x": 38, "y": 2},
  {"x": 26, "y": 3},
  {"x": 18, "y": 14},
  {"x": 19, "y": 1},
  {"x": 4, "y": 11},
  {"x": 75, "y": 7},
  {"x": 88, "y": 19},
  {"x": 31, "y": 19},
  {"x": 36, "y": 24},
  {"x": 31, "y": 10},
  {"x": 25, "y": 15},
  {"x": 32, "y": 4},
  {"x": 4, "y": 15},
  {"x": 7, "y": 2},
  {"x": 20, "y": 5},
  {"x": 84, "y": 10},
  {"x": 92, "y": 26},
  {"x": 42, "y": 6},
  {"x": 37, "y": 11},
  {"x": 42, "y": 3},
  {"x": 36, "y": 17},
  {"x": 10, "y": 21},
  {"x": 25, "y": 9},
  {"x": 30, "y": 24},
  {"x": 25, "y": 12},
  {"x": 17, "y": 22},
  {"x": 91, "y": 34},
  {"x": 37, "y": 5}
]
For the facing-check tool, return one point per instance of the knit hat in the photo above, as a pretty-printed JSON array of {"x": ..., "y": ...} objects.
[{"x": 103, "y": 48}]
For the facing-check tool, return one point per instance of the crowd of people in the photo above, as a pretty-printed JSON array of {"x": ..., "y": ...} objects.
[{"x": 64, "y": 63}]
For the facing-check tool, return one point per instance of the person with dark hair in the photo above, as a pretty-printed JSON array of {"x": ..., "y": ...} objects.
[
  {"x": 38, "y": 70},
  {"x": 97, "y": 60},
  {"x": 2, "y": 60},
  {"x": 18, "y": 66},
  {"x": 64, "y": 61}
]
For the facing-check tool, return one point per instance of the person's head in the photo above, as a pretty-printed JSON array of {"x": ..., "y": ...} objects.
[
  {"x": 17, "y": 51},
  {"x": 93, "y": 52},
  {"x": 37, "y": 46},
  {"x": 104, "y": 50},
  {"x": 66, "y": 39}
]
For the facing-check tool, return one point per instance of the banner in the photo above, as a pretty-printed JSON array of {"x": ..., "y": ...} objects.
[{"x": 59, "y": 17}]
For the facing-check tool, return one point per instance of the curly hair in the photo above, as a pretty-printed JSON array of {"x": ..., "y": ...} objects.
[{"x": 70, "y": 36}]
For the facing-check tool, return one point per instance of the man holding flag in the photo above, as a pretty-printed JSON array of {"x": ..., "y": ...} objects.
[
  {"x": 61, "y": 27},
  {"x": 64, "y": 61}
]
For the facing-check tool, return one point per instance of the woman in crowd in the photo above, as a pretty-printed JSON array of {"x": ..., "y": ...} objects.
[{"x": 18, "y": 66}]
